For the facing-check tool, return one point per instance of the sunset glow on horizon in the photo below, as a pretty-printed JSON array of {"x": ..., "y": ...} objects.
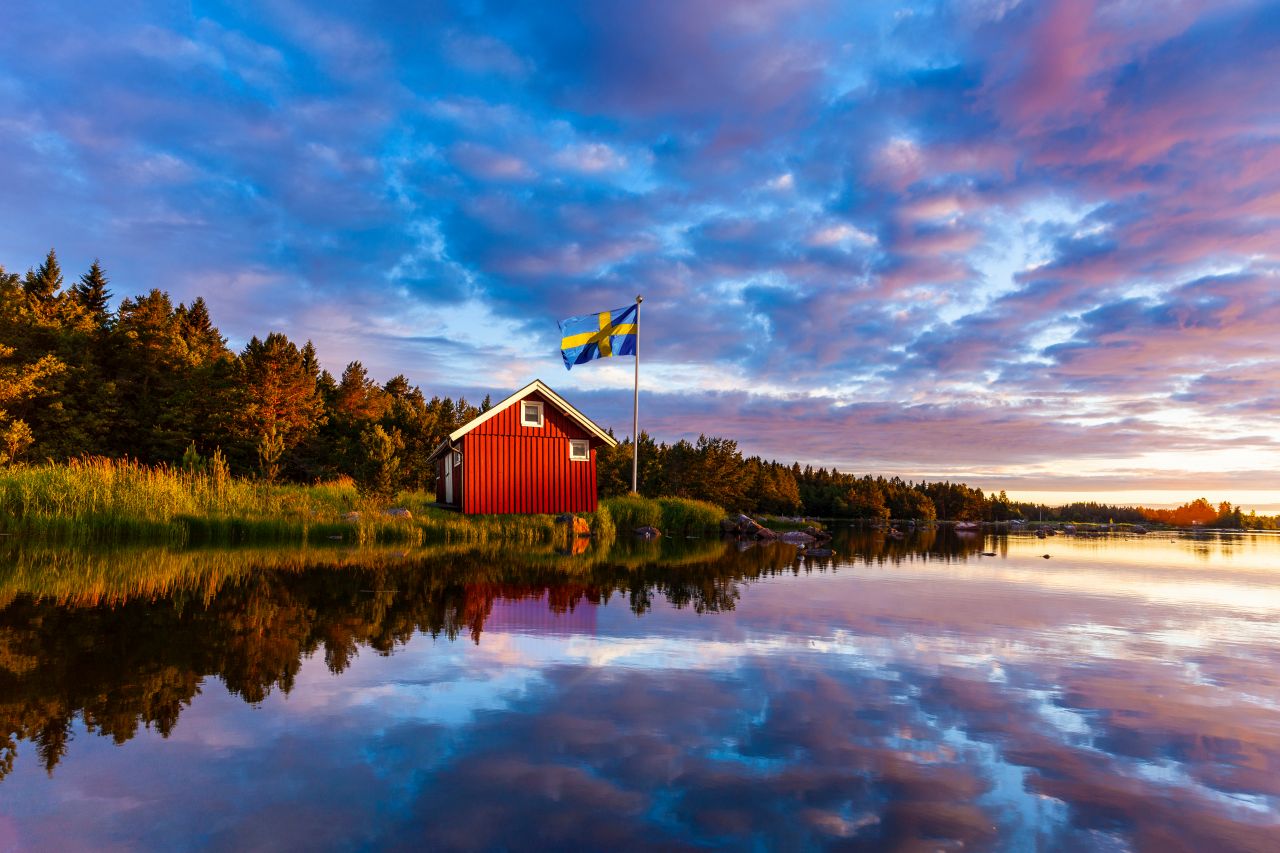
[{"x": 1031, "y": 246}]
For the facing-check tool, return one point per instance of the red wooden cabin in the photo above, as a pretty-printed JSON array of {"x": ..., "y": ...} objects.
[{"x": 532, "y": 452}]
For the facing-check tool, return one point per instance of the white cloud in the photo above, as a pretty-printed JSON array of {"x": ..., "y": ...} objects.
[
  {"x": 591, "y": 158},
  {"x": 841, "y": 235},
  {"x": 782, "y": 183}
]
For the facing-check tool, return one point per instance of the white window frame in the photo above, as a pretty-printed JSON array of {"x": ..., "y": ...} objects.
[
  {"x": 524, "y": 421},
  {"x": 585, "y": 446},
  {"x": 455, "y": 457}
]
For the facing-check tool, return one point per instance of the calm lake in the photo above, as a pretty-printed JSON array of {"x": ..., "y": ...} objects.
[{"x": 910, "y": 695}]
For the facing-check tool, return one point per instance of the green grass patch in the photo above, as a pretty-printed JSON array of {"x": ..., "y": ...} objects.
[
  {"x": 95, "y": 500},
  {"x": 112, "y": 500},
  {"x": 682, "y": 516},
  {"x": 673, "y": 516},
  {"x": 630, "y": 512}
]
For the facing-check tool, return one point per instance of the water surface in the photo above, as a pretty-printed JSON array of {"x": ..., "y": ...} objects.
[{"x": 915, "y": 694}]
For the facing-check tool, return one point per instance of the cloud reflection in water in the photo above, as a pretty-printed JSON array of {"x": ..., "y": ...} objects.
[{"x": 986, "y": 703}]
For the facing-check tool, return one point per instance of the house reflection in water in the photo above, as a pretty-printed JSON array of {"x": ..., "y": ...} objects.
[
  {"x": 536, "y": 614},
  {"x": 565, "y": 610}
]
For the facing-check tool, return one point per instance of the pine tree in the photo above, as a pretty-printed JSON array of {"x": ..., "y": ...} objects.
[
  {"x": 281, "y": 403},
  {"x": 43, "y": 284},
  {"x": 359, "y": 398},
  {"x": 378, "y": 475},
  {"x": 149, "y": 360},
  {"x": 92, "y": 295},
  {"x": 204, "y": 342}
]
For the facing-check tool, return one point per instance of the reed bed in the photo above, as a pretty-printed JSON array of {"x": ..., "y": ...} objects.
[
  {"x": 689, "y": 517},
  {"x": 673, "y": 516},
  {"x": 632, "y": 511},
  {"x": 118, "y": 500}
]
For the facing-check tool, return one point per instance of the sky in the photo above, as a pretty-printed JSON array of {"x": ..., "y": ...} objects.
[{"x": 1027, "y": 245}]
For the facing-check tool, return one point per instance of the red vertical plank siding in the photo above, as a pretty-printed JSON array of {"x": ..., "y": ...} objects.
[{"x": 511, "y": 468}]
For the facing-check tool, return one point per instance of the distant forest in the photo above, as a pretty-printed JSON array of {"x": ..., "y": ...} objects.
[{"x": 156, "y": 382}]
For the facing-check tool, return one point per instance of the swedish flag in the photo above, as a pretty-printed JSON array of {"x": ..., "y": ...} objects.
[{"x": 599, "y": 335}]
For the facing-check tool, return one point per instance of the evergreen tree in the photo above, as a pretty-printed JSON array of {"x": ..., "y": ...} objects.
[
  {"x": 378, "y": 475},
  {"x": 359, "y": 398},
  {"x": 37, "y": 320},
  {"x": 149, "y": 359},
  {"x": 43, "y": 284},
  {"x": 409, "y": 416},
  {"x": 204, "y": 342},
  {"x": 92, "y": 295},
  {"x": 280, "y": 402},
  {"x": 865, "y": 500}
]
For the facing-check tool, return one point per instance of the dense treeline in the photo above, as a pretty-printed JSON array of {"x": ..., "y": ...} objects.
[
  {"x": 713, "y": 469},
  {"x": 156, "y": 382}
]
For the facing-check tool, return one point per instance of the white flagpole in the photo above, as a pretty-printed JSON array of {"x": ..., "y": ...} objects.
[{"x": 635, "y": 410}]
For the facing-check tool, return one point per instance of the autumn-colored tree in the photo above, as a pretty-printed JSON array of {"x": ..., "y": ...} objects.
[
  {"x": 865, "y": 500},
  {"x": 358, "y": 397},
  {"x": 1197, "y": 512},
  {"x": 280, "y": 403},
  {"x": 905, "y": 501},
  {"x": 20, "y": 382},
  {"x": 771, "y": 488},
  {"x": 38, "y": 320}
]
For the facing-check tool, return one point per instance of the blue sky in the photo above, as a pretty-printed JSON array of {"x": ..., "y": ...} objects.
[{"x": 1029, "y": 245}]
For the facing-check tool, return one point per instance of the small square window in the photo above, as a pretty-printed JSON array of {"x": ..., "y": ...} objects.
[
  {"x": 457, "y": 458},
  {"x": 531, "y": 414},
  {"x": 579, "y": 449}
]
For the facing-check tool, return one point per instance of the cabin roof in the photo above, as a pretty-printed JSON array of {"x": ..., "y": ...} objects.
[{"x": 540, "y": 387}]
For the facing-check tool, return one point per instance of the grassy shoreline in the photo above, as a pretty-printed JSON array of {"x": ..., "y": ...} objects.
[{"x": 110, "y": 500}]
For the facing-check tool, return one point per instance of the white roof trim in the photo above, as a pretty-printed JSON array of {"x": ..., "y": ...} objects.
[{"x": 560, "y": 403}]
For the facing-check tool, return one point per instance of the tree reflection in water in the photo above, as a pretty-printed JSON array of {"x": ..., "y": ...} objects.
[{"x": 124, "y": 637}]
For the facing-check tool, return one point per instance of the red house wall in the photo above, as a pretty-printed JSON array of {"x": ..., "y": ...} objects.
[{"x": 511, "y": 468}]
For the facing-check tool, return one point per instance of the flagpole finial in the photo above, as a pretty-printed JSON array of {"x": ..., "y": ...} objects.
[{"x": 639, "y": 299}]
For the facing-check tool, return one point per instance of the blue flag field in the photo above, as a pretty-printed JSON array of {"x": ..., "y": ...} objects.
[{"x": 600, "y": 335}]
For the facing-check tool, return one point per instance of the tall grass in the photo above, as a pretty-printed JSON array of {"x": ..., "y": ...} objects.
[
  {"x": 113, "y": 500},
  {"x": 603, "y": 526},
  {"x": 673, "y": 516},
  {"x": 632, "y": 511},
  {"x": 685, "y": 516},
  {"x": 94, "y": 499}
]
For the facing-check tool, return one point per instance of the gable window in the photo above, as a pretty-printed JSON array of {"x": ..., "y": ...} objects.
[
  {"x": 530, "y": 414},
  {"x": 579, "y": 450}
]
